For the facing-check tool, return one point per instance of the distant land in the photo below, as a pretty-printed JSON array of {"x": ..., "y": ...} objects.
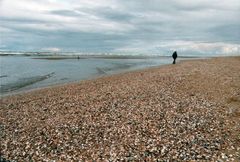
[{"x": 70, "y": 55}]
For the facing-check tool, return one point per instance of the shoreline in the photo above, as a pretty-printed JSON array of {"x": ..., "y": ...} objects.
[
  {"x": 187, "y": 111},
  {"x": 24, "y": 91}
]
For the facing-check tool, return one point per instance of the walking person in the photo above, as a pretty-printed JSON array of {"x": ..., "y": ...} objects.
[{"x": 174, "y": 55}]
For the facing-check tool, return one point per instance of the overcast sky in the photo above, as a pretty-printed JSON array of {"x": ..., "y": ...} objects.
[{"x": 192, "y": 27}]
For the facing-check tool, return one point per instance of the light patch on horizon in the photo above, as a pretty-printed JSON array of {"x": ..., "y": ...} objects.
[
  {"x": 198, "y": 27},
  {"x": 51, "y": 49}
]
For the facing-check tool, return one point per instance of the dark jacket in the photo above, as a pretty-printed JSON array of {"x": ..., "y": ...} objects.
[{"x": 174, "y": 55}]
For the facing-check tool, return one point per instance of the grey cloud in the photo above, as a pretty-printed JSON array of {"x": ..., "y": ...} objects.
[
  {"x": 69, "y": 13},
  {"x": 227, "y": 33},
  {"x": 114, "y": 15},
  {"x": 20, "y": 20},
  {"x": 103, "y": 12}
]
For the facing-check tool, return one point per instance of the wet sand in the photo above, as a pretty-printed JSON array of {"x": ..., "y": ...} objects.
[
  {"x": 23, "y": 83},
  {"x": 187, "y": 111}
]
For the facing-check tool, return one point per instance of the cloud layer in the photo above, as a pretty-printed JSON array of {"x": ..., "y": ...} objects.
[{"x": 199, "y": 27}]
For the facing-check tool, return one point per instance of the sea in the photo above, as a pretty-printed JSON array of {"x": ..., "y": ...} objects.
[{"x": 19, "y": 73}]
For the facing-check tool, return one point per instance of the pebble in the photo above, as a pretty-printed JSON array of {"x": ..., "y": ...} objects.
[{"x": 157, "y": 114}]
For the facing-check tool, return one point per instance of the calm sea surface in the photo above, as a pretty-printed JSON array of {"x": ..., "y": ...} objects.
[{"x": 21, "y": 73}]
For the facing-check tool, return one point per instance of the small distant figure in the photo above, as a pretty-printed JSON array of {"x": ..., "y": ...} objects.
[
  {"x": 78, "y": 57},
  {"x": 174, "y": 55}
]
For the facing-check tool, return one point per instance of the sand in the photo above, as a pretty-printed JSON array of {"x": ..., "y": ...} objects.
[{"x": 187, "y": 111}]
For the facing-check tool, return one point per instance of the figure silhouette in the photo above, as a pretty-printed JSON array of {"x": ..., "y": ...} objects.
[{"x": 174, "y": 55}]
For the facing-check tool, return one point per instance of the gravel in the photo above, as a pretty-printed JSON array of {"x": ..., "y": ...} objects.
[{"x": 183, "y": 112}]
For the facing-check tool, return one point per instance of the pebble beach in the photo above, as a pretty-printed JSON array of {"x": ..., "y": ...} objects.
[{"x": 189, "y": 111}]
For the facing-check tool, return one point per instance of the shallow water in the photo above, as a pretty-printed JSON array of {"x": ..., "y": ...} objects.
[{"x": 21, "y": 73}]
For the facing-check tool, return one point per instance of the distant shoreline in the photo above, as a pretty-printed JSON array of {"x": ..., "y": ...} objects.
[
  {"x": 103, "y": 56},
  {"x": 10, "y": 89}
]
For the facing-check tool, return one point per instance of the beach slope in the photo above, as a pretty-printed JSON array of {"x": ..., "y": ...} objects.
[{"x": 187, "y": 111}]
